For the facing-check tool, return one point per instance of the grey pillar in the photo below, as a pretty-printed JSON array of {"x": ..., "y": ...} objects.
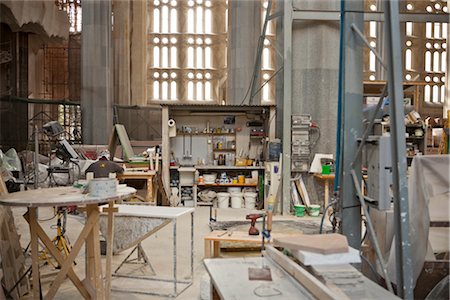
[
  {"x": 96, "y": 72},
  {"x": 351, "y": 127},
  {"x": 315, "y": 67},
  {"x": 138, "y": 53},
  {"x": 121, "y": 51},
  {"x": 243, "y": 34}
]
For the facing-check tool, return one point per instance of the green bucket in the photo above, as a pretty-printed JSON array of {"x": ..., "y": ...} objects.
[
  {"x": 326, "y": 169},
  {"x": 299, "y": 210},
  {"x": 314, "y": 210}
]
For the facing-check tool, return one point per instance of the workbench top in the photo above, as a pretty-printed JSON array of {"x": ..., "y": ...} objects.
[
  {"x": 230, "y": 279},
  {"x": 147, "y": 211},
  {"x": 61, "y": 196}
]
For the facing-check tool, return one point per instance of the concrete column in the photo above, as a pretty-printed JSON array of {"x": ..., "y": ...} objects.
[
  {"x": 121, "y": 51},
  {"x": 243, "y": 33},
  {"x": 138, "y": 51},
  {"x": 96, "y": 70},
  {"x": 315, "y": 67}
]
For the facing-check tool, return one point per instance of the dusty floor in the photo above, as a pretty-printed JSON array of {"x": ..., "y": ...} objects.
[{"x": 158, "y": 248}]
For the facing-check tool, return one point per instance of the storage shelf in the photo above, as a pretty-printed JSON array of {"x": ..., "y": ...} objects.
[
  {"x": 212, "y": 167},
  {"x": 207, "y": 134},
  {"x": 224, "y": 150},
  {"x": 227, "y": 184}
]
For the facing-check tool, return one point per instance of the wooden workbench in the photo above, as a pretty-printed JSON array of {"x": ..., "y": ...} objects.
[
  {"x": 147, "y": 175},
  {"x": 93, "y": 286},
  {"x": 215, "y": 237},
  {"x": 230, "y": 280}
]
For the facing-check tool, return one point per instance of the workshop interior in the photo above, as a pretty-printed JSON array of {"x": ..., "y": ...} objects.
[{"x": 224, "y": 149}]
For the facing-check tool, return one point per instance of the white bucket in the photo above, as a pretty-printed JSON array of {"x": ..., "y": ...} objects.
[
  {"x": 250, "y": 200},
  {"x": 233, "y": 190},
  {"x": 236, "y": 200},
  {"x": 223, "y": 200}
]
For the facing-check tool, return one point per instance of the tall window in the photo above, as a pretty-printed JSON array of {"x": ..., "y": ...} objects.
[
  {"x": 425, "y": 48},
  {"x": 434, "y": 52},
  {"x": 73, "y": 9},
  {"x": 267, "y": 59},
  {"x": 187, "y": 49}
]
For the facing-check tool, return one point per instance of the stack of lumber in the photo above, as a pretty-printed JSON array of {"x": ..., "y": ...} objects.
[{"x": 12, "y": 259}]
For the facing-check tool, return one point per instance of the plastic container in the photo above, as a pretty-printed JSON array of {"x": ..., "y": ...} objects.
[
  {"x": 236, "y": 200},
  {"x": 241, "y": 179},
  {"x": 210, "y": 178},
  {"x": 314, "y": 210},
  {"x": 233, "y": 190},
  {"x": 223, "y": 200},
  {"x": 250, "y": 200},
  {"x": 299, "y": 210}
]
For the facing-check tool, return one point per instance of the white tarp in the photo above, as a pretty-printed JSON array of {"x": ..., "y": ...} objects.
[
  {"x": 429, "y": 199},
  {"x": 37, "y": 16}
]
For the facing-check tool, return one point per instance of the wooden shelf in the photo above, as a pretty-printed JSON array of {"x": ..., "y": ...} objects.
[
  {"x": 227, "y": 184},
  {"x": 207, "y": 134},
  {"x": 224, "y": 150}
]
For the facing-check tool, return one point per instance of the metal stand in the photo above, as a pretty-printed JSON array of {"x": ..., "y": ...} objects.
[
  {"x": 174, "y": 280},
  {"x": 351, "y": 91},
  {"x": 141, "y": 255}
]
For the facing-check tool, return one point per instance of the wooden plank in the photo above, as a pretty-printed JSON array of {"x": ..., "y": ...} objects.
[
  {"x": 318, "y": 243},
  {"x": 303, "y": 192},
  {"x": 124, "y": 141},
  {"x": 312, "y": 284},
  {"x": 241, "y": 236},
  {"x": 34, "y": 253},
  {"x": 109, "y": 248}
]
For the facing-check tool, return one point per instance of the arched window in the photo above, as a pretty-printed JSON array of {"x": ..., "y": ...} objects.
[
  {"x": 173, "y": 21},
  {"x": 408, "y": 59},
  {"x": 190, "y": 88},
  {"x": 165, "y": 90},
  {"x": 156, "y": 90},
  {"x": 199, "y": 91},
  {"x": 173, "y": 90},
  {"x": 173, "y": 57},
  {"x": 208, "y": 95},
  {"x": 156, "y": 20},
  {"x": 156, "y": 57},
  {"x": 199, "y": 58},
  {"x": 427, "y": 93},
  {"x": 186, "y": 58},
  {"x": 165, "y": 57},
  {"x": 165, "y": 19}
]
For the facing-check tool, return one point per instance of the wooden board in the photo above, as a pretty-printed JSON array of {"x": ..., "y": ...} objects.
[
  {"x": 240, "y": 236},
  {"x": 119, "y": 134},
  {"x": 317, "y": 243},
  {"x": 303, "y": 192},
  {"x": 312, "y": 284},
  {"x": 230, "y": 279}
]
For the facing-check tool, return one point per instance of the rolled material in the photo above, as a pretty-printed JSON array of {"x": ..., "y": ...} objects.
[{"x": 172, "y": 128}]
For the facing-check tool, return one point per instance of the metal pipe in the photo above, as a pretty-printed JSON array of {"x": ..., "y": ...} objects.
[
  {"x": 36, "y": 157},
  {"x": 175, "y": 256},
  {"x": 403, "y": 258},
  {"x": 364, "y": 39},
  {"x": 372, "y": 234}
]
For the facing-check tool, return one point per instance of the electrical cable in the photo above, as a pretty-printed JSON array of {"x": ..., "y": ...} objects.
[
  {"x": 267, "y": 81},
  {"x": 325, "y": 213}
]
